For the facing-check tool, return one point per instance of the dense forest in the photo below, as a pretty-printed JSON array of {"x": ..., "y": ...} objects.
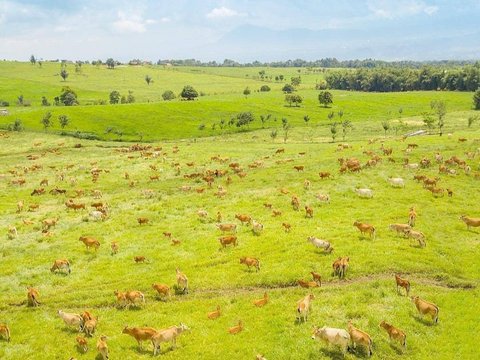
[{"x": 465, "y": 78}]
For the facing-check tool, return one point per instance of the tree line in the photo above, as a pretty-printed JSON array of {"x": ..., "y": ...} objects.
[{"x": 465, "y": 78}]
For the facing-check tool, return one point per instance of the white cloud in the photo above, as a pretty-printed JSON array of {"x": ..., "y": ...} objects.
[
  {"x": 133, "y": 23},
  {"x": 222, "y": 12},
  {"x": 391, "y": 9},
  {"x": 165, "y": 20}
]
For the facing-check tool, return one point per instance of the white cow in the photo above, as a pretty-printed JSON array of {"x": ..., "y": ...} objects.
[
  {"x": 97, "y": 215},
  {"x": 257, "y": 228},
  {"x": 339, "y": 337},
  {"x": 71, "y": 319},
  {"x": 396, "y": 182},
  {"x": 364, "y": 193},
  {"x": 323, "y": 198},
  {"x": 325, "y": 245}
]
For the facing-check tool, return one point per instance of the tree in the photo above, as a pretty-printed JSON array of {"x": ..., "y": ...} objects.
[
  {"x": 110, "y": 63},
  {"x": 386, "y": 127},
  {"x": 262, "y": 74},
  {"x": 130, "y": 97},
  {"x": 286, "y": 129},
  {"x": 148, "y": 79},
  {"x": 295, "y": 81},
  {"x": 244, "y": 118},
  {"x": 16, "y": 126},
  {"x": 288, "y": 88},
  {"x": 333, "y": 130},
  {"x": 264, "y": 119},
  {"x": 293, "y": 98},
  {"x": 20, "y": 100},
  {"x": 428, "y": 120},
  {"x": 246, "y": 92},
  {"x": 473, "y": 119},
  {"x": 346, "y": 125},
  {"x": 440, "y": 108},
  {"x": 476, "y": 100},
  {"x": 189, "y": 92},
  {"x": 306, "y": 118},
  {"x": 33, "y": 60},
  {"x": 265, "y": 88},
  {"x": 46, "y": 122},
  {"x": 273, "y": 134},
  {"x": 168, "y": 95},
  {"x": 64, "y": 74},
  {"x": 45, "y": 101},
  {"x": 63, "y": 120},
  {"x": 325, "y": 98},
  {"x": 68, "y": 97},
  {"x": 114, "y": 97},
  {"x": 331, "y": 115}
]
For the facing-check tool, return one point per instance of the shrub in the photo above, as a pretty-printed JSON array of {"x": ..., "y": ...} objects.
[
  {"x": 168, "y": 95},
  {"x": 265, "y": 88}
]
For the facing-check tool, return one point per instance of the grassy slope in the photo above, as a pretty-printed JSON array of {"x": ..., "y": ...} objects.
[
  {"x": 437, "y": 272},
  {"x": 177, "y": 119}
]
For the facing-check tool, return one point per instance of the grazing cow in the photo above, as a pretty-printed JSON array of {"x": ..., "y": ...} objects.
[
  {"x": 267, "y": 205},
  {"x": 71, "y": 205},
  {"x": 402, "y": 283},
  {"x": 228, "y": 240},
  {"x": 316, "y": 277},
  {"x": 61, "y": 264},
  {"x": 244, "y": 219},
  {"x": 470, "y": 221},
  {"x": 142, "y": 220},
  {"x": 306, "y": 184},
  {"x": 12, "y": 232},
  {"x": 114, "y": 247},
  {"x": 140, "y": 333},
  {"x": 139, "y": 259},
  {"x": 261, "y": 302},
  {"x": 281, "y": 150},
  {"x": 128, "y": 298},
  {"x": 19, "y": 206},
  {"x": 167, "y": 234},
  {"x": 97, "y": 194},
  {"x": 364, "y": 193},
  {"x": 307, "y": 284},
  {"x": 71, "y": 319},
  {"x": 295, "y": 202},
  {"x": 299, "y": 167},
  {"x": 97, "y": 215},
  {"x": 449, "y": 192},
  {"x": 308, "y": 211},
  {"x": 303, "y": 307},
  {"x": 276, "y": 213},
  {"x": 338, "y": 337},
  {"x": 82, "y": 343},
  {"x": 417, "y": 235},
  {"x": 318, "y": 243},
  {"x": 396, "y": 182},
  {"x": 324, "y": 175},
  {"x": 32, "y": 297},
  {"x": 162, "y": 290},
  {"x": 38, "y": 191},
  {"x": 182, "y": 281},
  {"x": 412, "y": 216},
  {"x": 250, "y": 262},
  {"x": 430, "y": 182},
  {"x": 90, "y": 242},
  {"x": 394, "y": 333},
  {"x": 202, "y": 215},
  {"x": 167, "y": 335},
  {"x": 325, "y": 198},
  {"x": 214, "y": 314},
  {"x": 48, "y": 223},
  {"x": 236, "y": 329},
  {"x": 286, "y": 226},
  {"x": 257, "y": 228},
  {"x": 399, "y": 228},
  {"x": 102, "y": 347},
  {"x": 5, "y": 331},
  {"x": 90, "y": 326},
  {"x": 260, "y": 357},
  {"x": 359, "y": 337},
  {"x": 365, "y": 228},
  {"x": 419, "y": 178},
  {"x": 426, "y": 308},
  {"x": 227, "y": 227}
]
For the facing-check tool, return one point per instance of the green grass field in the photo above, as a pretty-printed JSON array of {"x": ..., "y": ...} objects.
[{"x": 444, "y": 272}]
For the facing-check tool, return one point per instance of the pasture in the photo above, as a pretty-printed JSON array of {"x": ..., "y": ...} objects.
[{"x": 444, "y": 272}]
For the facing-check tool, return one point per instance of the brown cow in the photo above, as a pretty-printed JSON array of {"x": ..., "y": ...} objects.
[
  {"x": 90, "y": 242},
  {"x": 402, "y": 283},
  {"x": 250, "y": 262},
  {"x": 228, "y": 240},
  {"x": 365, "y": 228},
  {"x": 142, "y": 220},
  {"x": 308, "y": 211},
  {"x": 244, "y": 218},
  {"x": 32, "y": 297},
  {"x": 162, "y": 290}
]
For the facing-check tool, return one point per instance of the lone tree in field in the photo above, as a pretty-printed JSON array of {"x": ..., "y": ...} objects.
[
  {"x": 325, "y": 98},
  {"x": 168, "y": 95},
  {"x": 476, "y": 100},
  {"x": 189, "y": 92},
  {"x": 264, "y": 88},
  {"x": 288, "y": 89},
  {"x": 286, "y": 128},
  {"x": 64, "y": 74},
  {"x": 295, "y": 81},
  {"x": 33, "y": 60},
  {"x": 68, "y": 97},
  {"x": 440, "y": 108},
  {"x": 273, "y": 134},
  {"x": 63, "y": 120},
  {"x": 306, "y": 118},
  {"x": 472, "y": 119},
  {"x": 148, "y": 79},
  {"x": 428, "y": 120},
  {"x": 246, "y": 92},
  {"x": 386, "y": 127},
  {"x": 333, "y": 130},
  {"x": 110, "y": 63},
  {"x": 114, "y": 97},
  {"x": 293, "y": 99},
  {"x": 46, "y": 120},
  {"x": 346, "y": 126}
]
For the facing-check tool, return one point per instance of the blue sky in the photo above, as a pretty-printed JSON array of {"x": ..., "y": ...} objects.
[{"x": 243, "y": 30}]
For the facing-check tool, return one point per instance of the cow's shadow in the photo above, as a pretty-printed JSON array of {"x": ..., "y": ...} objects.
[{"x": 423, "y": 321}]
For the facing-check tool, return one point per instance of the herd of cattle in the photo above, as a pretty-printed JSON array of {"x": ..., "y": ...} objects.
[{"x": 343, "y": 338}]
